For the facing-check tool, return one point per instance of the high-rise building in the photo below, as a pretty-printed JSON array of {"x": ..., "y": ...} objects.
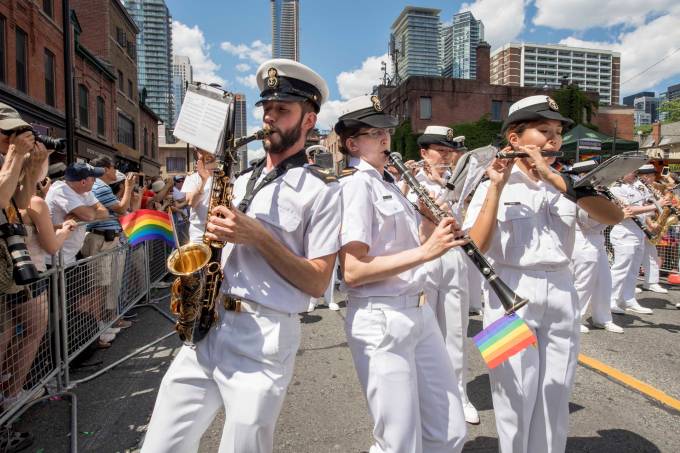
[
  {"x": 646, "y": 110},
  {"x": 543, "y": 65},
  {"x": 241, "y": 126},
  {"x": 673, "y": 92},
  {"x": 182, "y": 73},
  {"x": 415, "y": 43},
  {"x": 285, "y": 29},
  {"x": 630, "y": 99},
  {"x": 154, "y": 55},
  {"x": 459, "y": 51}
]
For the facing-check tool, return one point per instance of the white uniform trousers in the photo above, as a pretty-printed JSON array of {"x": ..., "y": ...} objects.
[
  {"x": 475, "y": 283},
  {"x": 245, "y": 364},
  {"x": 403, "y": 368},
  {"x": 625, "y": 271},
  {"x": 650, "y": 261},
  {"x": 450, "y": 303},
  {"x": 593, "y": 283},
  {"x": 531, "y": 389}
]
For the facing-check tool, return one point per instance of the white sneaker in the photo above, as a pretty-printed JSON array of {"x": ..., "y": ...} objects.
[
  {"x": 471, "y": 414},
  {"x": 333, "y": 306},
  {"x": 655, "y": 288},
  {"x": 677, "y": 305},
  {"x": 613, "y": 328},
  {"x": 637, "y": 290},
  {"x": 584, "y": 329},
  {"x": 617, "y": 310},
  {"x": 107, "y": 337},
  {"x": 112, "y": 330},
  {"x": 311, "y": 306},
  {"x": 639, "y": 309}
]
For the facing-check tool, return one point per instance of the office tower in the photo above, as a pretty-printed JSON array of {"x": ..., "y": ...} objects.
[
  {"x": 415, "y": 43},
  {"x": 285, "y": 29},
  {"x": 459, "y": 50}
]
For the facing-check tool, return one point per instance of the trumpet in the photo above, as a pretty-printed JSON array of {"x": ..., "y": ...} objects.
[{"x": 509, "y": 299}]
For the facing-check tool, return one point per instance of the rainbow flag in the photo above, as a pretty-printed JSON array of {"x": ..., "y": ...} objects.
[
  {"x": 147, "y": 224},
  {"x": 503, "y": 339}
]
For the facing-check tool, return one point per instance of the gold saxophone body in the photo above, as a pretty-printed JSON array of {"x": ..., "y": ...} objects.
[
  {"x": 664, "y": 220},
  {"x": 198, "y": 266}
]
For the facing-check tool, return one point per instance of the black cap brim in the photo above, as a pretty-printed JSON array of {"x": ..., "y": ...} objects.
[
  {"x": 282, "y": 97},
  {"x": 528, "y": 115},
  {"x": 377, "y": 120}
]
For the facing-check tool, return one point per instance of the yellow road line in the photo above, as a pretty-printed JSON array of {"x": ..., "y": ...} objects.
[{"x": 629, "y": 381}]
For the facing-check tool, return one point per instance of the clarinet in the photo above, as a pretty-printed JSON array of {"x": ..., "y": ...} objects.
[
  {"x": 509, "y": 299},
  {"x": 608, "y": 194}
]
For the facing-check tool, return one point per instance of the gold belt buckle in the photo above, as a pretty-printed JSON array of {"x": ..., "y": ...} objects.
[{"x": 231, "y": 304}]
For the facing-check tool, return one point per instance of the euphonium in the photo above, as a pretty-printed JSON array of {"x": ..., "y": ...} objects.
[
  {"x": 664, "y": 220},
  {"x": 198, "y": 267}
]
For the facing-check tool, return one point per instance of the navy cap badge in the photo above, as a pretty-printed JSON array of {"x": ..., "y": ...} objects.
[
  {"x": 552, "y": 104},
  {"x": 449, "y": 135},
  {"x": 272, "y": 79},
  {"x": 376, "y": 103}
]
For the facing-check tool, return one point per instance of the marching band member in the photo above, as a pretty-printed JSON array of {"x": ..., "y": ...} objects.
[
  {"x": 525, "y": 224},
  {"x": 398, "y": 351},
  {"x": 449, "y": 296},
  {"x": 592, "y": 277},
  {"x": 650, "y": 259},
  {"x": 285, "y": 238}
]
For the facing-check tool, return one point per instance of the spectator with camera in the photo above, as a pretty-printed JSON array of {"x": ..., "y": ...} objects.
[
  {"x": 180, "y": 210},
  {"x": 197, "y": 187}
]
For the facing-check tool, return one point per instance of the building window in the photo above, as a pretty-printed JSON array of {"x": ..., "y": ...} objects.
[
  {"x": 175, "y": 164},
  {"x": 83, "y": 110},
  {"x": 496, "y": 108},
  {"x": 21, "y": 60},
  {"x": 49, "y": 78},
  {"x": 146, "y": 142},
  {"x": 154, "y": 153},
  {"x": 3, "y": 53},
  {"x": 47, "y": 7},
  {"x": 425, "y": 108},
  {"x": 121, "y": 81},
  {"x": 126, "y": 131},
  {"x": 121, "y": 37},
  {"x": 101, "y": 116},
  {"x": 130, "y": 89}
]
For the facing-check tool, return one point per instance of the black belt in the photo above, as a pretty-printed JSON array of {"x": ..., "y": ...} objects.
[{"x": 232, "y": 304}]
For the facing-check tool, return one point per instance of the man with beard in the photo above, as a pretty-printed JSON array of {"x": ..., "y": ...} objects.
[{"x": 283, "y": 226}]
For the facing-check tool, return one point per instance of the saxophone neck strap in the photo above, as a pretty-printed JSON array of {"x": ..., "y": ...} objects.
[{"x": 298, "y": 159}]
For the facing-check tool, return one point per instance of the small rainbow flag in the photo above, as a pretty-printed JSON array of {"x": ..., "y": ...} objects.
[
  {"x": 147, "y": 224},
  {"x": 503, "y": 339}
]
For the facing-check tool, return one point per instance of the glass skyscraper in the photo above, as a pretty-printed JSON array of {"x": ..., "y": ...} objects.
[
  {"x": 154, "y": 55},
  {"x": 459, "y": 46},
  {"x": 415, "y": 43},
  {"x": 285, "y": 29}
]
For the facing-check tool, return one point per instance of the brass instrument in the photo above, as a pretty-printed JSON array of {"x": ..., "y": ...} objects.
[
  {"x": 614, "y": 199},
  {"x": 198, "y": 267},
  {"x": 509, "y": 299},
  {"x": 665, "y": 219}
]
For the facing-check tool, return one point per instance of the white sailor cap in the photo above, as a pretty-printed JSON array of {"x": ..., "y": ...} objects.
[
  {"x": 364, "y": 111},
  {"x": 535, "y": 108},
  {"x": 281, "y": 79},
  {"x": 582, "y": 167},
  {"x": 646, "y": 169},
  {"x": 441, "y": 135}
]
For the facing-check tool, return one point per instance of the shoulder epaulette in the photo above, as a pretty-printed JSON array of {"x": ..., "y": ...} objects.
[
  {"x": 324, "y": 174},
  {"x": 349, "y": 171}
]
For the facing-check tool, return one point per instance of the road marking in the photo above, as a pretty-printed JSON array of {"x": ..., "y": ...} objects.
[{"x": 629, "y": 381}]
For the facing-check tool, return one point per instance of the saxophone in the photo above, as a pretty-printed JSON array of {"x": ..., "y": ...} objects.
[
  {"x": 198, "y": 267},
  {"x": 666, "y": 219}
]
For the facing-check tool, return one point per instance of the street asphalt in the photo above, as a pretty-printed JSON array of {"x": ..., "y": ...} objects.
[{"x": 325, "y": 410}]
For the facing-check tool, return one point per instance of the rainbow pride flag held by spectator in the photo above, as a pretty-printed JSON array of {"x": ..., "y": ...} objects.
[
  {"x": 503, "y": 339},
  {"x": 147, "y": 224}
]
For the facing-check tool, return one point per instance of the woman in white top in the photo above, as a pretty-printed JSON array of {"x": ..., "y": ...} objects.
[
  {"x": 521, "y": 219},
  {"x": 397, "y": 347}
]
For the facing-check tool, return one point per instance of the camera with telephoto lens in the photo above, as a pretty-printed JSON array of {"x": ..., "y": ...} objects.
[
  {"x": 51, "y": 143},
  {"x": 24, "y": 271}
]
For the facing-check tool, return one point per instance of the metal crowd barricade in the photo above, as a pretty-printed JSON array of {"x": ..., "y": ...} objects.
[
  {"x": 43, "y": 332},
  {"x": 668, "y": 249}
]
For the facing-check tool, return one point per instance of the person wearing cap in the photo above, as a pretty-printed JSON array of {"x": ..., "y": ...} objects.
[
  {"x": 21, "y": 159},
  {"x": 449, "y": 297},
  {"x": 650, "y": 259},
  {"x": 283, "y": 232},
  {"x": 592, "y": 276},
  {"x": 196, "y": 188},
  {"x": 397, "y": 348},
  {"x": 523, "y": 218},
  {"x": 180, "y": 209},
  {"x": 626, "y": 239}
]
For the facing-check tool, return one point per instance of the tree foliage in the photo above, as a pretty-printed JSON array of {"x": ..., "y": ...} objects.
[
  {"x": 574, "y": 103},
  {"x": 405, "y": 142},
  {"x": 478, "y": 133},
  {"x": 672, "y": 110}
]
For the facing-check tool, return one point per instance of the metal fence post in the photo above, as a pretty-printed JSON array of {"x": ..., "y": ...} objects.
[{"x": 147, "y": 273}]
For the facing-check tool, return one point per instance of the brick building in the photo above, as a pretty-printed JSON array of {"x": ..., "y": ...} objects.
[
  {"x": 619, "y": 117},
  {"x": 148, "y": 130}
]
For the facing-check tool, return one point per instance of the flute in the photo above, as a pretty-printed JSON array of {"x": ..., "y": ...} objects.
[
  {"x": 519, "y": 154},
  {"x": 509, "y": 299}
]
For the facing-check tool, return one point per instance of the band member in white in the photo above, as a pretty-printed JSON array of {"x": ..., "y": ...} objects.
[
  {"x": 521, "y": 218},
  {"x": 285, "y": 235},
  {"x": 592, "y": 277},
  {"x": 650, "y": 259},
  {"x": 398, "y": 351}
]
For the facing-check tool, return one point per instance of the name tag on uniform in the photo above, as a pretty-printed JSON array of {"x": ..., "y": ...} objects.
[
  {"x": 512, "y": 203},
  {"x": 387, "y": 197}
]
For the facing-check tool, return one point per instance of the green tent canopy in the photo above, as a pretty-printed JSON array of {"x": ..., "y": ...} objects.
[{"x": 570, "y": 139}]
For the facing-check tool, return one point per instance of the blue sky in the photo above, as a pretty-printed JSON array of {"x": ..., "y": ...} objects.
[{"x": 345, "y": 40}]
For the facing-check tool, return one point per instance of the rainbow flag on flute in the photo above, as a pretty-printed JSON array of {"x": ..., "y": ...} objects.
[
  {"x": 147, "y": 224},
  {"x": 503, "y": 339}
]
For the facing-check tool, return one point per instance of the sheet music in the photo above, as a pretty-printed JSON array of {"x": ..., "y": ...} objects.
[
  {"x": 609, "y": 171},
  {"x": 202, "y": 119},
  {"x": 480, "y": 158}
]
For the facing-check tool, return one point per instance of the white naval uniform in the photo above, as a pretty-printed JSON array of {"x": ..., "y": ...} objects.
[
  {"x": 449, "y": 294},
  {"x": 627, "y": 239},
  {"x": 531, "y": 250},
  {"x": 592, "y": 277},
  {"x": 398, "y": 351},
  {"x": 245, "y": 363},
  {"x": 650, "y": 255}
]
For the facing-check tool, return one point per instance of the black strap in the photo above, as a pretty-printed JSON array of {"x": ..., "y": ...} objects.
[{"x": 296, "y": 160}]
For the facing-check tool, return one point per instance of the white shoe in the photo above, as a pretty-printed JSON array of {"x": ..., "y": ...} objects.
[
  {"x": 111, "y": 330},
  {"x": 311, "y": 306},
  {"x": 617, "y": 310},
  {"x": 639, "y": 309},
  {"x": 609, "y": 327},
  {"x": 471, "y": 414},
  {"x": 333, "y": 306},
  {"x": 677, "y": 305},
  {"x": 655, "y": 288},
  {"x": 107, "y": 337},
  {"x": 637, "y": 290},
  {"x": 584, "y": 329}
]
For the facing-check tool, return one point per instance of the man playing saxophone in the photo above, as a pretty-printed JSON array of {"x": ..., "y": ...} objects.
[{"x": 284, "y": 226}]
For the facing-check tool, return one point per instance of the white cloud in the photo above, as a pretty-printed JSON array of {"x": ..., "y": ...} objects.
[
  {"x": 360, "y": 81},
  {"x": 503, "y": 19},
  {"x": 329, "y": 113},
  {"x": 642, "y": 48},
  {"x": 257, "y": 113},
  {"x": 257, "y": 52},
  {"x": 585, "y": 14},
  {"x": 190, "y": 41},
  {"x": 248, "y": 81},
  {"x": 256, "y": 153},
  {"x": 242, "y": 67}
]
